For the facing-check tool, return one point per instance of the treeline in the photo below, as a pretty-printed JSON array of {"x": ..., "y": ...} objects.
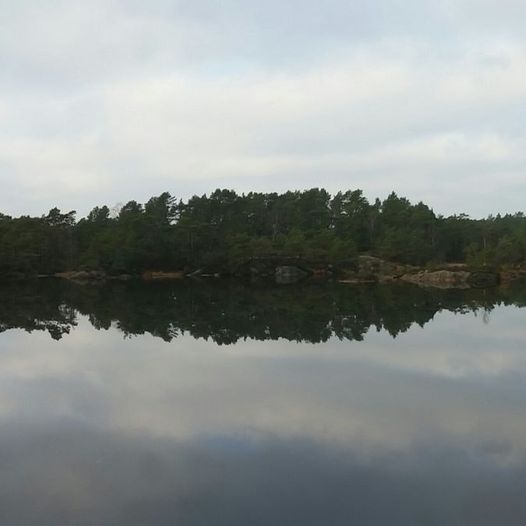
[
  {"x": 223, "y": 228},
  {"x": 226, "y": 311}
]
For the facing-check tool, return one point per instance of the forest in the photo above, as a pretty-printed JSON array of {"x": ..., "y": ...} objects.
[{"x": 223, "y": 228}]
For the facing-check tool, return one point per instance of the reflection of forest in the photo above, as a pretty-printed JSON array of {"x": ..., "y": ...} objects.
[{"x": 226, "y": 311}]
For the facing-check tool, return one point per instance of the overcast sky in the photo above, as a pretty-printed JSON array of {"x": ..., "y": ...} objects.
[{"x": 102, "y": 101}]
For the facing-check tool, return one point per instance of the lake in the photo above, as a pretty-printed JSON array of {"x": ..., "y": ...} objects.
[{"x": 214, "y": 403}]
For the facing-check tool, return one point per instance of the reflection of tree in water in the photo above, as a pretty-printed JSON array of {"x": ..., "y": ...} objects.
[
  {"x": 36, "y": 306},
  {"x": 227, "y": 311}
]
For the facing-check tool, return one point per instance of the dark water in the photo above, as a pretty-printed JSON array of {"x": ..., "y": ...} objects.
[{"x": 186, "y": 404}]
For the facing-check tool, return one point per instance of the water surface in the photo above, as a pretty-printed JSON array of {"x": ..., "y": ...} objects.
[{"x": 219, "y": 404}]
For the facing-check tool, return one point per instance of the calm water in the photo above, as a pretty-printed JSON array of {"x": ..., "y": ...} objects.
[{"x": 185, "y": 404}]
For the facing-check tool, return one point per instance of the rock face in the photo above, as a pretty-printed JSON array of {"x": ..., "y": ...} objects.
[
  {"x": 439, "y": 278},
  {"x": 446, "y": 279},
  {"x": 363, "y": 269},
  {"x": 274, "y": 267},
  {"x": 360, "y": 269},
  {"x": 369, "y": 269},
  {"x": 286, "y": 274}
]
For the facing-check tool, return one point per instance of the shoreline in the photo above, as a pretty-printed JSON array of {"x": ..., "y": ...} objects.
[{"x": 290, "y": 270}]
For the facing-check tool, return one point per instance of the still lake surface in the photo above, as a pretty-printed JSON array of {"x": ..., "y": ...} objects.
[{"x": 219, "y": 404}]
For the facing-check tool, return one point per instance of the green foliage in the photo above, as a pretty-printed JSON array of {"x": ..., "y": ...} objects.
[{"x": 220, "y": 230}]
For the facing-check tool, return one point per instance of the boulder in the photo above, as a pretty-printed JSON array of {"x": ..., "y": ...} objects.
[
  {"x": 370, "y": 269},
  {"x": 439, "y": 278},
  {"x": 264, "y": 267}
]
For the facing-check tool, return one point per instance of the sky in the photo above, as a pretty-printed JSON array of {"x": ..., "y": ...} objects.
[{"x": 103, "y": 101}]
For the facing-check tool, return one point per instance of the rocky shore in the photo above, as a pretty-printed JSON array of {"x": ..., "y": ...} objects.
[{"x": 362, "y": 269}]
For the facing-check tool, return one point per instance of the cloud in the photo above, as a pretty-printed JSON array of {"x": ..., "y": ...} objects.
[
  {"x": 80, "y": 475},
  {"x": 109, "y": 101},
  {"x": 97, "y": 428},
  {"x": 350, "y": 393}
]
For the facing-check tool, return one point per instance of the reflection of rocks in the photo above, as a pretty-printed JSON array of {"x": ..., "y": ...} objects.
[
  {"x": 288, "y": 274},
  {"x": 162, "y": 275},
  {"x": 83, "y": 275},
  {"x": 483, "y": 279},
  {"x": 460, "y": 279},
  {"x": 90, "y": 276},
  {"x": 439, "y": 278},
  {"x": 509, "y": 275}
]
